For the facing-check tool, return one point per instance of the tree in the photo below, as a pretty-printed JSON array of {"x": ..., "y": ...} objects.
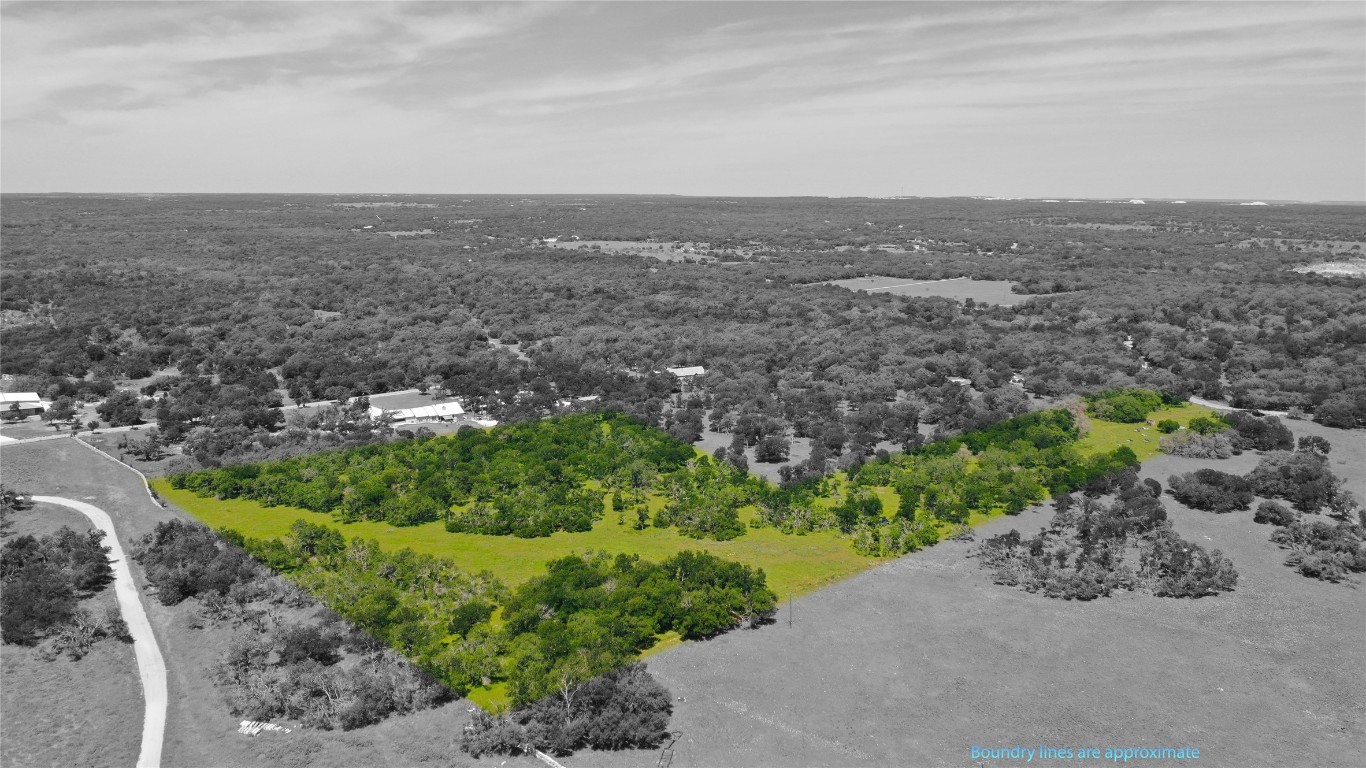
[
  {"x": 1339, "y": 411},
  {"x": 121, "y": 409},
  {"x": 772, "y": 449},
  {"x": 63, "y": 409},
  {"x": 1315, "y": 444}
]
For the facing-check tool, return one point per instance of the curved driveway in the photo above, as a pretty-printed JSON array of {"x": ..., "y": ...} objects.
[{"x": 151, "y": 667}]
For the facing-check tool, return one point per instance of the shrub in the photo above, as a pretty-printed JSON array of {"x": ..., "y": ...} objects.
[
  {"x": 1196, "y": 446},
  {"x": 1087, "y": 552},
  {"x": 622, "y": 709},
  {"x": 1322, "y": 549},
  {"x": 1211, "y": 490},
  {"x": 1258, "y": 433},
  {"x": 184, "y": 560},
  {"x": 1204, "y": 425},
  {"x": 1273, "y": 513},
  {"x": 42, "y": 579},
  {"x": 1168, "y": 426},
  {"x": 1303, "y": 478}
]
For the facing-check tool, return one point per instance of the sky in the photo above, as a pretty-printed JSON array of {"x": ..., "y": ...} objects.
[{"x": 1260, "y": 100}]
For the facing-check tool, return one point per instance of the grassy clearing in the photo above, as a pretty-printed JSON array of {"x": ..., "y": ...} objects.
[
  {"x": 1140, "y": 438},
  {"x": 958, "y": 289},
  {"x": 794, "y": 564}
]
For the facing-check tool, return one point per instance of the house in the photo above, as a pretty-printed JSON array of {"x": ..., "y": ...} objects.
[
  {"x": 19, "y": 405},
  {"x": 437, "y": 412}
]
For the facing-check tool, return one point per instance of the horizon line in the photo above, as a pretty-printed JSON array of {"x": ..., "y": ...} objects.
[{"x": 1114, "y": 199}]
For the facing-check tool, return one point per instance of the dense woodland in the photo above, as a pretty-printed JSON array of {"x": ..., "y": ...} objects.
[
  {"x": 205, "y": 314},
  {"x": 246, "y": 295}
]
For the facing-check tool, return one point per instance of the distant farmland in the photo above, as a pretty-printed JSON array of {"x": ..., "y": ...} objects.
[{"x": 958, "y": 289}]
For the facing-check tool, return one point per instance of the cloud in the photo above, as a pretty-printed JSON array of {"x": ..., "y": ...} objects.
[{"x": 695, "y": 84}]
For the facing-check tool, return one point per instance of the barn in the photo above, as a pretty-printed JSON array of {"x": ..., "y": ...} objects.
[
  {"x": 19, "y": 405},
  {"x": 437, "y": 412}
]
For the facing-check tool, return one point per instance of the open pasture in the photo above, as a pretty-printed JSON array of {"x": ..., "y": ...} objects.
[
  {"x": 1140, "y": 438},
  {"x": 957, "y": 288},
  {"x": 912, "y": 662}
]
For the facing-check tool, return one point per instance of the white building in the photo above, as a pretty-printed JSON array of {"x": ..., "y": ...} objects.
[
  {"x": 22, "y": 404},
  {"x": 436, "y": 412},
  {"x": 688, "y": 372}
]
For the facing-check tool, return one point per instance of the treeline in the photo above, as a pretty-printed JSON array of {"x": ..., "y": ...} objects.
[
  {"x": 147, "y": 289},
  {"x": 43, "y": 581},
  {"x": 591, "y": 611},
  {"x": 535, "y": 478},
  {"x": 314, "y": 668},
  {"x": 554, "y": 636},
  {"x": 1092, "y": 548},
  {"x": 1015, "y": 464},
  {"x": 521, "y": 479}
]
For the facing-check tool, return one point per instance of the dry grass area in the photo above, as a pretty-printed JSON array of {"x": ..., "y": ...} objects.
[
  {"x": 958, "y": 289},
  {"x": 1353, "y": 268}
]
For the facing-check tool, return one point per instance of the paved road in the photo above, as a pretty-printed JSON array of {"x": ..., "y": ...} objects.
[
  {"x": 1218, "y": 406},
  {"x": 151, "y": 667}
]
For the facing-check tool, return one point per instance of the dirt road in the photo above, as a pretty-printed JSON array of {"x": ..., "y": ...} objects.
[{"x": 151, "y": 667}]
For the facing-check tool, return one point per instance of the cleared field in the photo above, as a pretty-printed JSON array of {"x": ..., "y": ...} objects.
[
  {"x": 958, "y": 288},
  {"x": 914, "y": 661},
  {"x": 794, "y": 564},
  {"x": 1140, "y": 438},
  {"x": 1355, "y": 268}
]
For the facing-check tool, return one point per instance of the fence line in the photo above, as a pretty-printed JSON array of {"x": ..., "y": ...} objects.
[{"x": 146, "y": 485}]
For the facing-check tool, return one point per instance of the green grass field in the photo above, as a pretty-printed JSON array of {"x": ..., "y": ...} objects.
[
  {"x": 795, "y": 564},
  {"x": 1141, "y": 438}
]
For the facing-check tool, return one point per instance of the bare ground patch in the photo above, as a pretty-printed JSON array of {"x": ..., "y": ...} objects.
[{"x": 958, "y": 289}]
